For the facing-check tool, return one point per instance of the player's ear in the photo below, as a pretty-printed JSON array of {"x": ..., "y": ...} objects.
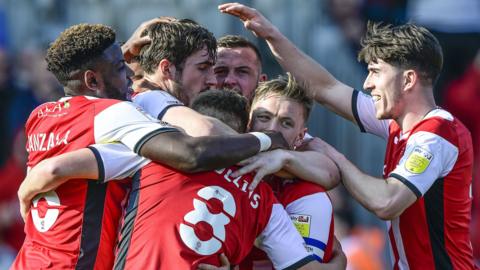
[
  {"x": 299, "y": 138},
  {"x": 263, "y": 77},
  {"x": 410, "y": 78},
  {"x": 167, "y": 69},
  {"x": 90, "y": 78},
  {"x": 94, "y": 82}
]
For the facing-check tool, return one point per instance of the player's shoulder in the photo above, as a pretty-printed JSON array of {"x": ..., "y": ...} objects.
[
  {"x": 442, "y": 123},
  {"x": 155, "y": 95}
]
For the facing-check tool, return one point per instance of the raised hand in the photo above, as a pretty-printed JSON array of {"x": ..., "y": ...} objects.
[
  {"x": 252, "y": 19},
  {"x": 262, "y": 164},
  {"x": 135, "y": 43}
]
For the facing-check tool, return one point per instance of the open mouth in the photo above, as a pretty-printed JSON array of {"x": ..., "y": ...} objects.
[{"x": 375, "y": 98}]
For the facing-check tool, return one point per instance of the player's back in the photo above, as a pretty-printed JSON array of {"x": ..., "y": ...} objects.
[
  {"x": 176, "y": 220},
  {"x": 74, "y": 226}
]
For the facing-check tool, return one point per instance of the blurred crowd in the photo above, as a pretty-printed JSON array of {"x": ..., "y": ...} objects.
[{"x": 25, "y": 83}]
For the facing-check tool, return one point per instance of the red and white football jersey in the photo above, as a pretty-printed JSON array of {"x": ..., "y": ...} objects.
[
  {"x": 76, "y": 225},
  {"x": 434, "y": 159},
  {"x": 156, "y": 102},
  {"x": 176, "y": 221},
  {"x": 311, "y": 211}
]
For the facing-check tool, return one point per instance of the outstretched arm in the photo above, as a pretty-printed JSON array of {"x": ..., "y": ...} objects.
[
  {"x": 51, "y": 173},
  {"x": 386, "y": 198},
  {"x": 193, "y": 154},
  {"x": 320, "y": 84},
  {"x": 309, "y": 165}
]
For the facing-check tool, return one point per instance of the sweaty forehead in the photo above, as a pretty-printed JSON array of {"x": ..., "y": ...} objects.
[
  {"x": 237, "y": 57},
  {"x": 279, "y": 105}
]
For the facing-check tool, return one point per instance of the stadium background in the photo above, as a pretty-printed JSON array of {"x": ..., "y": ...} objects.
[{"x": 327, "y": 30}]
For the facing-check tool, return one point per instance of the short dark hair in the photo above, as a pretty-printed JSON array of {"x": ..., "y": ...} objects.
[
  {"x": 226, "y": 105},
  {"x": 285, "y": 86},
  {"x": 77, "y": 48},
  {"x": 236, "y": 41},
  {"x": 175, "y": 41},
  {"x": 406, "y": 46}
]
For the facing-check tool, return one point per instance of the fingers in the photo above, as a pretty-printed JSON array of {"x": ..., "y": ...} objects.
[
  {"x": 244, "y": 170},
  {"x": 224, "y": 261},
  {"x": 224, "y": 264},
  {"x": 256, "y": 180},
  {"x": 238, "y": 10},
  {"x": 203, "y": 266}
]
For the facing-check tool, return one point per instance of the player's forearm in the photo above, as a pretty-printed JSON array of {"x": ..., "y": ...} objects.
[
  {"x": 303, "y": 68},
  {"x": 371, "y": 192},
  {"x": 194, "y": 154},
  {"x": 313, "y": 167},
  {"x": 51, "y": 173},
  {"x": 225, "y": 152}
]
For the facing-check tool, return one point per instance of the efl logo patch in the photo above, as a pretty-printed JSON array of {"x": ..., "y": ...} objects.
[
  {"x": 302, "y": 223},
  {"x": 418, "y": 160}
]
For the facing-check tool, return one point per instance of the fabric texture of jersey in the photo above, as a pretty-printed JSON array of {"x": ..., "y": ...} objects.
[
  {"x": 156, "y": 102},
  {"x": 311, "y": 211},
  {"x": 176, "y": 221},
  {"x": 76, "y": 225},
  {"x": 434, "y": 160}
]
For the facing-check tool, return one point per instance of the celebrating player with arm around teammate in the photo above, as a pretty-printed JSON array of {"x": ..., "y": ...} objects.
[
  {"x": 75, "y": 225},
  {"x": 425, "y": 193}
]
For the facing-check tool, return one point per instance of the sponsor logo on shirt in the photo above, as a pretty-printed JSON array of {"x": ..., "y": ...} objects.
[
  {"x": 418, "y": 160},
  {"x": 302, "y": 223},
  {"x": 55, "y": 109}
]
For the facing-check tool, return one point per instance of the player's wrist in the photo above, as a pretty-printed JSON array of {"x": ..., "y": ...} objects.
[{"x": 264, "y": 140}]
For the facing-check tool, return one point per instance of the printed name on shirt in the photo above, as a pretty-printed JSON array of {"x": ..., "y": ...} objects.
[
  {"x": 38, "y": 142},
  {"x": 418, "y": 160},
  {"x": 241, "y": 184}
]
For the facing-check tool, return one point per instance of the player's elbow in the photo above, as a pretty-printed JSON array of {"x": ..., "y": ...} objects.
[
  {"x": 194, "y": 158},
  {"x": 386, "y": 210},
  {"x": 333, "y": 179}
]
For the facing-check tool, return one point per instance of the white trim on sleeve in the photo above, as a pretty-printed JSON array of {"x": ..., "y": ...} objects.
[
  {"x": 427, "y": 157},
  {"x": 365, "y": 114},
  {"x": 281, "y": 241}
]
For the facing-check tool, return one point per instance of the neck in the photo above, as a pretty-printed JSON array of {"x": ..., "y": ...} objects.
[
  {"x": 151, "y": 82},
  {"x": 416, "y": 108}
]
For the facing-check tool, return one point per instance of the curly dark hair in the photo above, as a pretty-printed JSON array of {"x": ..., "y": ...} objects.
[
  {"x": 175, "y": 41},
  {"x": 77, "y": 48},
  {"x": 225, "y": 105},
  {"x": 406, "y": 46}
]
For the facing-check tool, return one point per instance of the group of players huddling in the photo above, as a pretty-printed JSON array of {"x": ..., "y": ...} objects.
[{"x": 172, "y": 179}]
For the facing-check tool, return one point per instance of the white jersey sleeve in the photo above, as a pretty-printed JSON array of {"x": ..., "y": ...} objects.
[
  {"x": 364, "y": 112},
  {"x": 127, "y": 123},
  {"x": 427, "y": 157},
  {"x": 281, "y": 241},
  {"x": 116, "y": 161},
  {"x": 312, "y": 216},
  {"x": 156, "y": 102}
]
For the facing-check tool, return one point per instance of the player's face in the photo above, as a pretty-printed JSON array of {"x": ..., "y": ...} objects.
[
  {"x": 275, "y": 112},
  {"x": 237, "y": 69},
  {"x": 384, "y": 82},
  {"x": 196, "y": 75},
  {"x": 115, "y": 74}
]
